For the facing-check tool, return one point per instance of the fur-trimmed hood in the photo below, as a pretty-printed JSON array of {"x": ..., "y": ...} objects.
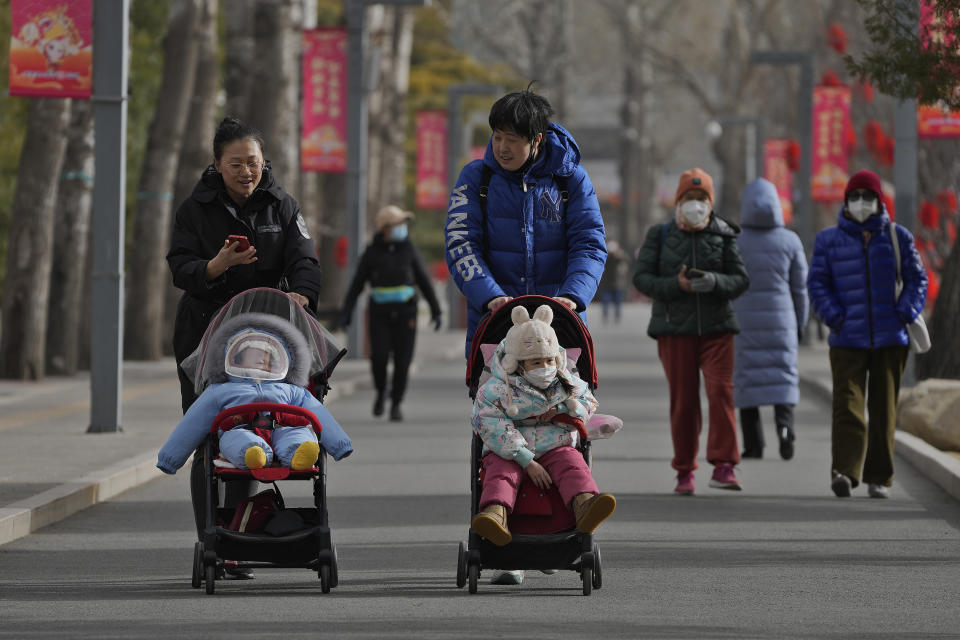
[{"x": 296, "y": 345}]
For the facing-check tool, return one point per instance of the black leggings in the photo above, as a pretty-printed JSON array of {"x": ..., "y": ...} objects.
[{"x": 392, "y": 333}]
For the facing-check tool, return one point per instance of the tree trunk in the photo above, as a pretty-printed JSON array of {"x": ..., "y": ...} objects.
[
  {"x": 71, "y": 239},
  {"x": 197, "y": 149},
  {"x": 943, "y": 360},
  {"x": 30, "y": 241},
  {"x": 148, "y": 273},
  {"x": 276, "y": 75},
  {"x": 240, "y": 56}
]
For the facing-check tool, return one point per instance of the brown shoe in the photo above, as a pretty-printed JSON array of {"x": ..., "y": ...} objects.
[
  {"x": 590, "y": 510},
  {"x": 491, "y": 523}
]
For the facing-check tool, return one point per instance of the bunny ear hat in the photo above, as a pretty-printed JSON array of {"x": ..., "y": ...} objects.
[{"x": 530, "y": 338}]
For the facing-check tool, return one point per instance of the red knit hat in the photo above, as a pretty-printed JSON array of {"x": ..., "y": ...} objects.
[
  {"x": 864, "y": 179},
  {"x": 694, "y": 179}
]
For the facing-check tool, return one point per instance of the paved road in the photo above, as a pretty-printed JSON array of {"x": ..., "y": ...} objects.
[{"x": 782, "y": 559}]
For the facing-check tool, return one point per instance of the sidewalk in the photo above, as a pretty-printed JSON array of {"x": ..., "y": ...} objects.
[{"x": 50, "y": 467}]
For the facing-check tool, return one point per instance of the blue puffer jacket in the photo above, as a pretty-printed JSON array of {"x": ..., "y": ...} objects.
[
  {"x": 532, "y": 243},
  {"x": 852, "y": 282}
]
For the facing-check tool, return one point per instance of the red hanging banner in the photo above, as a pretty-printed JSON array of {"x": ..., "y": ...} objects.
[
  {"x": 776, "y": 169},
  {"x": 935, "y": 120},
  {"x": 51, "y": 48},
  {"x": 831, "y": 120},
  {"x": 433, "y": 191},
  {"x": 323, "y": 143}
]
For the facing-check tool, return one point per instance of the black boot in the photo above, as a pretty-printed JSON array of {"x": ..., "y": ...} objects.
[
  {"x": 378, "y": 403},
  {"x": 395, "y": 414}
]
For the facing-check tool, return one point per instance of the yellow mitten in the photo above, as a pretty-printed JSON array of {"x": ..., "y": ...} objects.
[
  {"x": 305, "y": 456},
  {"x": 254, "y": 458}
]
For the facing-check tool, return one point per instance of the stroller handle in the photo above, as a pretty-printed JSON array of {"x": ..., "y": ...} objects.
[{"x": 257, "y": 407}]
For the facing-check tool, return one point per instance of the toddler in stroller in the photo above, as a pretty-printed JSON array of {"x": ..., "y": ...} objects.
[{"x": 530, "y": 417}]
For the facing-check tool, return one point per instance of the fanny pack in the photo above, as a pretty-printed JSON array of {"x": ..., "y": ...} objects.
[{"x": 386, "y": 295}]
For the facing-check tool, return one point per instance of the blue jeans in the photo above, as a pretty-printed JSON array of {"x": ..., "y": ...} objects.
[{"x": 614, "y": 296}]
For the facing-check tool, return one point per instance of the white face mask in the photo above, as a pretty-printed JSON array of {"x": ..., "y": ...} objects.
[
  {"x": 543, "y": 377},
  {"x": 862, "y": 209},
  {"x": 694, "y": 212}
]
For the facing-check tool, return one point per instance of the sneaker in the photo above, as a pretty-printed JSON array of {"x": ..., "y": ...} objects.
[
  {"x": 841, "y": 485},
  {"x": 507, "y": 577},
  {"x": 878, "y": 491},
  {"x": 232, "y": 571},
  {"x": 725, "y": 478},
  {"x": 549, "y": 572},
  {"x": 685, "y": 483},
  {"x": 786, "y": 442}
]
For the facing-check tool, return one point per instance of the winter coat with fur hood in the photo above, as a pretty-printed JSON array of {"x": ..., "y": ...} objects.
[
  {"x": 524, "y": 438},
  {"x": 228, "y": 391}
]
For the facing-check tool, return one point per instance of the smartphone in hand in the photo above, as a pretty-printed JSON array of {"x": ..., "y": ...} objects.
[
  {"x": 241, "y": 242},
  {"x": 696, "y": 273}
]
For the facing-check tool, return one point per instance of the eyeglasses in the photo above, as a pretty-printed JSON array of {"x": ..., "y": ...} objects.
[
  {"x": 236, "y": 168},
  {"x": 866, "y": 196}
]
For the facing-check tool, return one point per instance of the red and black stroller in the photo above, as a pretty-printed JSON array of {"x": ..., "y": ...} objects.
[
  {"x": 262, "y": 532},
  {"x": 545, "y": 536}
]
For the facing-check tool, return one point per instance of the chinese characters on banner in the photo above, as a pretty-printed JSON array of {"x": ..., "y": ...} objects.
[
  {"x": 323, "y": 143},
  {"x": 936, "y": 121},
  {"x": 776, "y": 169},
  {"x": 432, "y": 189},
  {"x": 831, "y": 119},
  {"x": 51, "y": 48}
]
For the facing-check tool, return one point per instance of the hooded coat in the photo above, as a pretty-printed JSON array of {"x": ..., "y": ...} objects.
[
  {"x": 523, "y": 437},
  {"x": 773, "y": 308},
  {"x": 271, "y": 220},
  {"x": 530, "y": 241},
  {"x": 852, "y": 283},
  {"x": 229, "y": 391}
]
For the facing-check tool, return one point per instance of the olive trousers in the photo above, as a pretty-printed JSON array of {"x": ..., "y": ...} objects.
[{"x": 862, "y": 444}]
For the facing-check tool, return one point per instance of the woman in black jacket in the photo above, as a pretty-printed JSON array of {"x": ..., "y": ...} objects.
[
  {"x": 236, "y": 196},
  {"x": 392, "y": 266}
]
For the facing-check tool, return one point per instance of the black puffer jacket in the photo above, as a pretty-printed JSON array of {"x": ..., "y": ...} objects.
[
  {"x": 678, "y": 313},
  {"x": 387, "y": 263},
  {"x": 286, "y": 255}
]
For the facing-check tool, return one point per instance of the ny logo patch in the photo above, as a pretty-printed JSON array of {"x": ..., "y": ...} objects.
[{"x": 550, "y": 206}]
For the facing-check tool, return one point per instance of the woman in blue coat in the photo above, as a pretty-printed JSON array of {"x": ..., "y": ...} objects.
[
  {"x": 853, "y": 287},
  {"x": 525, "y": 219},
  {"x": 771, "y": 314}
]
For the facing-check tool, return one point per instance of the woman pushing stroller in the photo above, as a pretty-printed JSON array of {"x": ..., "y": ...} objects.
[{"x": 527, "y": 416}]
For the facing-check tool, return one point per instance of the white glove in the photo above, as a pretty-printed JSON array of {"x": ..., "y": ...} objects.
[{"x": 704, "y": 284}]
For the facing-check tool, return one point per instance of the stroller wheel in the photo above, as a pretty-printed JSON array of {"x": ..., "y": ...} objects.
[
  {"x": 473, "y": 574},
  {"x": 334, "y": 572},
  {"x": 211, "y": 579},
  {"x": 586, "y": 572},
  {"x": 462, "y": 565},
  {"x": 197, "y": 578},
  {"x": 324, "y": 578},
  {"x": 597, "y": 572}
]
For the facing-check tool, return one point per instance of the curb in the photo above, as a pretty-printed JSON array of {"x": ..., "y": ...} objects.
[{"x": 22, "y": 518}]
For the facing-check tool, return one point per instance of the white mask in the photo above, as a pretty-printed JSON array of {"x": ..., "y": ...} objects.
[
  {"x": 862, "y": 209},
  {"x": 694, "y": 212},
  {"x": 543, "y": 377}
]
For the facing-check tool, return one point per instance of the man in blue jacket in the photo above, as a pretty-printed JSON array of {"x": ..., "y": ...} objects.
[
  {"x": 525, "y": 219},
  {"x": 853, "y": 287}
]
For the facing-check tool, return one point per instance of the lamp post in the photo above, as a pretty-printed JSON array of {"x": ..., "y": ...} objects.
[
  {"x": 804, "y": 59},
  {"x": 357, "y": 149},
  {"x": 753, "y": 130},
  {"x": 456, "y": 145}
]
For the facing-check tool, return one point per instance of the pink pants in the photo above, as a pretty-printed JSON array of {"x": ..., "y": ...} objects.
[{"x": 566, "y": 466}]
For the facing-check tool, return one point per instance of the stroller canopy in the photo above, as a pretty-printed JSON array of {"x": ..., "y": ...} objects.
[{"x": 324, "y": 351}]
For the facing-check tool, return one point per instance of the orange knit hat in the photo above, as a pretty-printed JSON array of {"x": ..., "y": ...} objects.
[{"x": 695, "y": 179}]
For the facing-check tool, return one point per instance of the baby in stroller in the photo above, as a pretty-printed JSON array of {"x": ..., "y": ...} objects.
[
  {"x": 265, "y": 359},
  {"x": 529, "y": 415}
]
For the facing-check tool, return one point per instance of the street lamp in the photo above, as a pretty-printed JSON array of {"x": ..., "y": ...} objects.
[
  {"x": 804, "y": 59},
  {"x": 753, "y": 130},
  {"x": 357, "y": 150}
]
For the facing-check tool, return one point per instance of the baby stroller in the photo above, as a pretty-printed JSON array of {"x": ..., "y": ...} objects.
[
  {"x": 261, "y": 532},
  {"x": 545, "y": 536}
]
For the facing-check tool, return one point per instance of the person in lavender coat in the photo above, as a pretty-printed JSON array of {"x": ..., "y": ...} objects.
[{"x": 772, "y": 315}]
